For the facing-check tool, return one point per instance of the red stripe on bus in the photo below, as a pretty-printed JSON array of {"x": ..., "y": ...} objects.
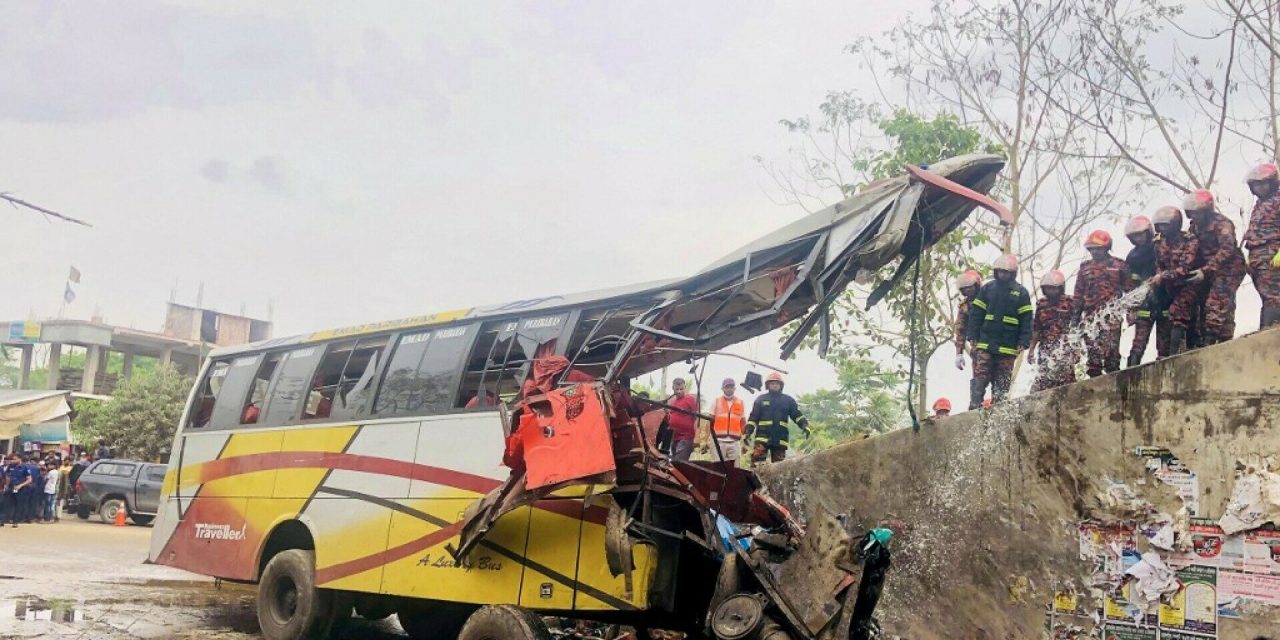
[
  {"x": 249, "y": 463},
  {"x": 360, "y": 565}
]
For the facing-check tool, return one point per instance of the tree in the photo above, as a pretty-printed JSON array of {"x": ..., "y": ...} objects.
[
  {"x": 911, "y": 322},
  {"x": 867, "y": 400},
  {"x": 140, "y": 418}
]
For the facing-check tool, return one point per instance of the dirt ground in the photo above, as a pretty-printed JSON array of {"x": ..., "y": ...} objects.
[{"x": 86, "y": 580}]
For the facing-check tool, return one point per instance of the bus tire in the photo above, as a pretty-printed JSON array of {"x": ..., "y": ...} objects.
[
  {"x": 434, "y": 621},
  {"x": 504, "y": 622},
  {"x": 290, "y": 607},
  {"x": 141, "y": 520}
]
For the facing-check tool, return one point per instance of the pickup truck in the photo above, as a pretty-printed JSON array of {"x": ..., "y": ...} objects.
[{"x": 108, "y": 486}]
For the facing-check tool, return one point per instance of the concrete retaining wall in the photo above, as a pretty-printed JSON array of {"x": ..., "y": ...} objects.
[{"x": 992, "y": 501}]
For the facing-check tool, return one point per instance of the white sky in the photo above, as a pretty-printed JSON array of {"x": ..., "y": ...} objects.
[{"x": 353, "y": 163}]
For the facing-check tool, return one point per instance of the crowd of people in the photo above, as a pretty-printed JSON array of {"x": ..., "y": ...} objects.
[
  {"x": 37, "y": 486},
  {"x": 1189, "y": 277},
  {"x": 765, "y": 431}
]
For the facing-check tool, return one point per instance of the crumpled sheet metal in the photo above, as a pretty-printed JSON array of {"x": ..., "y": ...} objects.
[{"x": 1255, "y": 498}]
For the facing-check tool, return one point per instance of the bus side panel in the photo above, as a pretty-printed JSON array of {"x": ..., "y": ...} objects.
[
  {"x": 551, "y": 556},
  {"x": 352, "y": 507},
  {"x": 301, "y": 482},
  {"x": 421, "y": 567}
]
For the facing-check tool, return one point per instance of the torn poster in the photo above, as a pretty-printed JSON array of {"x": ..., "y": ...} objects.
[
  {"x": 1168, "y": 469},
  {"x": 1194, "y": 608},
  {"x": 1237, "y": 592},
  {"x": 1255, "y": 498},
  {"x": 1128, "y": 632}
]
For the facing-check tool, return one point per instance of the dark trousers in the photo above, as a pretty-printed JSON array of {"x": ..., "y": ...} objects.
[
  {"x": 12, "y": 507},
  {"x": 31, "y": 504}
]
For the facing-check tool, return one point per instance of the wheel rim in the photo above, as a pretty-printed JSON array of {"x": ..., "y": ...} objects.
[{"x": 284, "y": 604}]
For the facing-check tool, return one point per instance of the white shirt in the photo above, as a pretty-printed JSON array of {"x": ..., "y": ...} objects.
[{"x": 51, "y": 481}]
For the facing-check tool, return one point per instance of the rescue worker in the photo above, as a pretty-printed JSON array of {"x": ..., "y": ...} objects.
[
  {"x": 727, "y": 421},
  {"x": 1177, "y": 257},
  {"x": 1222, "y": 267},
  {"x": 767, "y": 423},
  {"x": 968, "y": 284},
  {"x": 1049, "y": 330},
  {"x": 1000, "y": 326},
  {"x": 1142, "y": 266},
  {"x": 941, "y": 408},
  {"x": 1100, "y": 281},
  {"x": 1262, "y": 239}
]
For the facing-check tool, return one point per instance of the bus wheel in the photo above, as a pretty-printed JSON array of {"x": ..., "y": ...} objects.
[
  {"x": 374, "y": 608},
  {"x": 434, "y": 620},
  {"x": 504, "y": 622},
  {"x": 290, "y": 607}
]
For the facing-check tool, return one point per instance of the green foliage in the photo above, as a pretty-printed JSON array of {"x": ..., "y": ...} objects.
[
  {"x": 867, "y": 400},
  {"x": 140, "y": 418}
]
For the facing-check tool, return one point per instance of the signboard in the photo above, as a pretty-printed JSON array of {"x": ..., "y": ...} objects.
[{"x": 24, "y": 332}]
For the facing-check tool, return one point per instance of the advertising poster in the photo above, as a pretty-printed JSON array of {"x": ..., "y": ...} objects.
[
  {"x": 1238, "y": 591},
  {"x": 1122, "y": 632},
  {"x": 1168, "y": 469},
  {"x": 1209, "y": 546},
  {"x": 1260, "y": 553},
  {"x": 1194, "y": 608}
]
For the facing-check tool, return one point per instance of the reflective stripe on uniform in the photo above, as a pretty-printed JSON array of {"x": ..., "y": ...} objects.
[
  {"x": 1144, "y": 314},
  {"x": 1008, "y": 351},
  {"x": 990, "y": 317},
  {"x": 1026, "y": 308},
  {"x": 982, "y": 345},
  {"x": 979, "y": 304},
  {"x": 1010, "y": 320}
]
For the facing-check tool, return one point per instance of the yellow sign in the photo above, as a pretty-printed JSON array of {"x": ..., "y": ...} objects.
[{"x": 389, "y": 325}]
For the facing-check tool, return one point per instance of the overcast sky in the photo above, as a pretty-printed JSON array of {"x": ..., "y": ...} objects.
[{"x": 346, "y": 164}]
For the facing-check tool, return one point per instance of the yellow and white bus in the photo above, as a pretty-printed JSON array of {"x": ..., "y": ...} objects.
[{"x": 363, "y": 467}]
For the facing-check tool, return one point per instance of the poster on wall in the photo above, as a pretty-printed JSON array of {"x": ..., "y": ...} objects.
[
  {"x": 1194, "y": 609},
  {"x": 1239, "y": 592},
  {"x": 1168, "y": 469},
  {"x": 1125, "y": 632}
]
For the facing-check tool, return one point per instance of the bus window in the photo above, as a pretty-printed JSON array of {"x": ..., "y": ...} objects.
[
  {"x": 290, "y": 387},
  {"x": 423, "y": 372},
  {"x": 202, "y": 411},
  {"x": 502, "y": 356},
  {"x": 235, "y": 388},
  {"x": 356, "y": 382},
  {"x": 258, "y": 392}
]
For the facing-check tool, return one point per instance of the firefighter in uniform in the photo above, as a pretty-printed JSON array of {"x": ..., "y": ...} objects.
[
  {"x": 1049, "y": 330},
  {"x": 1142, "y": 266},
  {"x": 1222, "y": 268},
  {"x": 1262, "y": 239},
  {"x": 1177, "y": 257},
  {"x": 1099, "y": 283},
  {"x": 968, "y": 284},
  {"x": 1000, "y": 326},
  {"x": 767, "y": 424}
]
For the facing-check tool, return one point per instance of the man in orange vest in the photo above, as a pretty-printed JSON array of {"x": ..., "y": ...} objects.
[{"x": 728, "y": 419}]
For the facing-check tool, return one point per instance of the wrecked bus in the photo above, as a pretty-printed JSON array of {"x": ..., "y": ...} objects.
[{"x": 474, "y": 470}]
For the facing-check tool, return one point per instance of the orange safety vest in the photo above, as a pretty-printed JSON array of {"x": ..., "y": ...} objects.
[{"x": 729, "y": 418}]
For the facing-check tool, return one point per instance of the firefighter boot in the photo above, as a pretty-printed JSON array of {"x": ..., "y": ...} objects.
[
  {"x": 1177, "y": 340},
  {"x": 1135, "y": 359},
  {"x": 977, "y": 392}
]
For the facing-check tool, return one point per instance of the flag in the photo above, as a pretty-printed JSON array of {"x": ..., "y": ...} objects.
[
  {"x": 68, "y": 295},
  {"x": 74, "y": 276}
]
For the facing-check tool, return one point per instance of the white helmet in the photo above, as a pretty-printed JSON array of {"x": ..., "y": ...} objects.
[
  {"x": 1006, "y": 262},
  {"x": 1167, "y": 215},
  {"x": 1197, "y": 200},
  {"x": 1137, "y": 224},
  {"x": 1264, "y": 171},
  {"x": 1053, "y": 279},
  {"x": 969, "y": 278}
]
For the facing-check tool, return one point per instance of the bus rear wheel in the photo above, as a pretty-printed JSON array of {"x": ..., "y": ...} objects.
[
  {"x": 434, "y": 620},
  {"x": 290, "y": 607},
  {"x": 504, "y": 622}
]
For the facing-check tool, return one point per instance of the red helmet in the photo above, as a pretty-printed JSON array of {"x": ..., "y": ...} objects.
[
  {"x": 1167, "y": 215},
  {"x": 941, "y": 404},
  {"x": 1006, "y": 262},
  {"x": 1197, "y": 200},
  {"x": 1098, "y": 238},
  {"x": 1053, "y": 279},
  {"x": 773, "y": 377},
  {"x": 969, "y": 278},
  {"x": 1264, "y": 171},
  {"x": 1137, "y": 224}
]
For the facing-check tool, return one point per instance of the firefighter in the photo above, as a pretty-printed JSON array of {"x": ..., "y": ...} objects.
[
  {"x": 1262, "y": 239},
  {"x": 1000, "y": 327},
  {"x": 1177, "y": 257},
  {"x": 1049, "y": 330},
  {"x": 767, "y": 424},
  {"x": 1142, "y": 266},
  {"x": 1221, "y": 270},
  {"x": 941, "y": 408},
  {"x": 1100, "y": 281},
  {"x": 968, "y": 284},
  {"x": 727, "y": 419}
]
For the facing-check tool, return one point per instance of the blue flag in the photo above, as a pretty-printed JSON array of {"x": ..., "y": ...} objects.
[{"x": 68, "y": 294}]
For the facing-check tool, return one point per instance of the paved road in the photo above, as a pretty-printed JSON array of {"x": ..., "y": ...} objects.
[{"x": 85, "y": 580}]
